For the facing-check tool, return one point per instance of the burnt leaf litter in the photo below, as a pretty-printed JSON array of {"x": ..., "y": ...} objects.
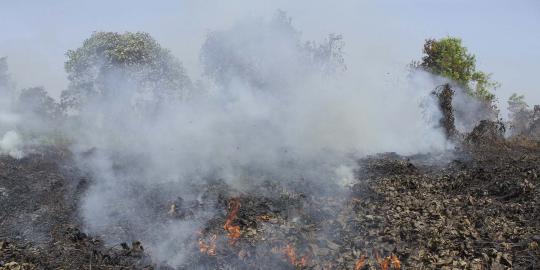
[{"x": 476, "y": 207}]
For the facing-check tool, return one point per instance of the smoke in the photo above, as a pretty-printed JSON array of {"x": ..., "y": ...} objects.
[
  {"x": 469, "y": 111},
  {"x": 28, "y": 119},
  {"x": 271, "y": 107},
  {"x": 10, "y": 141},
  {"x": 11, "y": 144}
]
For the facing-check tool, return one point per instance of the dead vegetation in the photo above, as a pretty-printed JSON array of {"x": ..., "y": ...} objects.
[
  {"x": 479, "y": 211},
  {"x": 445, "y": 95},
  {"x": 476, "y": 209}
]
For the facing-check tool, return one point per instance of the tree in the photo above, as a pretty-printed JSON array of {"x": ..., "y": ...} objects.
[
  {"x": 268, "y": 53},
  {"x": 6, "y": 84},
  {"x": 37, "y": 102},
  {"x": 108, "y": 60},
  {"x": 520, "y": 116},
  {"x": 517, "y": 103},
  {"x": 328, "y": 56},
  {"x": 447, "y": 57}
]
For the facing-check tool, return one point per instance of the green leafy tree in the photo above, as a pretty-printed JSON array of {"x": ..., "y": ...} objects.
[
  {"x": 447, "y": 57},
  {"x": 107, "y": 61}
]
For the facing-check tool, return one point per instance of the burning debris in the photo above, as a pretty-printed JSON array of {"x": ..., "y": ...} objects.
[
  {"x": 394, "y": 261},
  {"x": 233, "y": 231},
  {"x": 270, "y": 180},
  {"x": 389, "y": 262},
  {"x": 290, "y": 252},
  {"x": 465, "y": 215},
  {"x": 359, "y": 265},
  {"x": 209, "y": 247},
  {"x": 181, "y": 210}
]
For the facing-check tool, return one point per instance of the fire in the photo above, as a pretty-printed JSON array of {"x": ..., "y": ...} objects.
[
  {"x": 290, "y": 251},
  {"x": 360, "y": 263},
  {"x": 264, "y": 217},
  {"x": 387, "y": 262},
  {"x": 233, "y": 231},
  {"x": 383, "y": 263},
  {"x": 395, "y": 262},
  {"x": 303, "y": 261},
  {"x": 210, "y": 248}
]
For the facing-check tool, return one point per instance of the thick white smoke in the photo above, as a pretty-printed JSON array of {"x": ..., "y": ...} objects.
[
  {"x": 11, "y": 144},
  {"x": 273, "y": 108},
  {"x": 28, "y": 117},
  {"x": 23, "y": 124},
  {"x": 470, "y": 111},
  {"x": 10, "y": 141}
]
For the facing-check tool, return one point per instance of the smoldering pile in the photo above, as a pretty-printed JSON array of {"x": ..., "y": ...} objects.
[
  {"x": 408, "y": 216},
  {"x": 291, "y": 118},
  {"x": 478, "y": 211}
]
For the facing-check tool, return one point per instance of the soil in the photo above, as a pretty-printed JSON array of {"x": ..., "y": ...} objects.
[{"x": 475, "y": 208}]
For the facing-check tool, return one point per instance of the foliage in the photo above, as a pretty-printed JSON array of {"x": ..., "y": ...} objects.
[
  {"x": 447, "y": 57},
  {"x": 36, "y": 100},
  {"x": 109, "y": 60},
  {"x": 248, "y": 52},
  {"x": 327, "y": 55},
  {"x": 517, "y": 103},
  {"x": 520, "y": 116}
]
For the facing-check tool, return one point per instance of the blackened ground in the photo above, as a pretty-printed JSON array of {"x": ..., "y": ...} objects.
[
  {"x": 478, "y": 209},
  {"x": 39, "y": 228}
]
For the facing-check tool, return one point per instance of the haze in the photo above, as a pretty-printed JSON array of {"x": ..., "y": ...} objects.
[{"x": 37, "y": 35}]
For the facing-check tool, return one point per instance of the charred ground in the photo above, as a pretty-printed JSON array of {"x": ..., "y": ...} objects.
[{"x": 479, "y": 211}]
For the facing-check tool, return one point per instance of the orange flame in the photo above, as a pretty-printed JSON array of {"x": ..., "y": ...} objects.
[
  {"x": 233, "y": 231},
  {"x": 210, "y": 248},
  {"x": 303, "y": 261},
  {"x": 360, "y": 263},
  {"x": 388, "y": 261},
  {"x": 290, "y": 251},
  {"x": 395, "y": 262}
]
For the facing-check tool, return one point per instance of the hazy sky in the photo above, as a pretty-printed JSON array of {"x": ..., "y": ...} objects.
[{"x": 505, "y": 35}]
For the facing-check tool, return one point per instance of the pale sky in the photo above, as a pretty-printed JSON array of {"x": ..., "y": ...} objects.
[{"x": 504, "y": 35}]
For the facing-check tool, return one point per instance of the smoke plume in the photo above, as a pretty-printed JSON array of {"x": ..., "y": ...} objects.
[{"x": 271, "y": 107}]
